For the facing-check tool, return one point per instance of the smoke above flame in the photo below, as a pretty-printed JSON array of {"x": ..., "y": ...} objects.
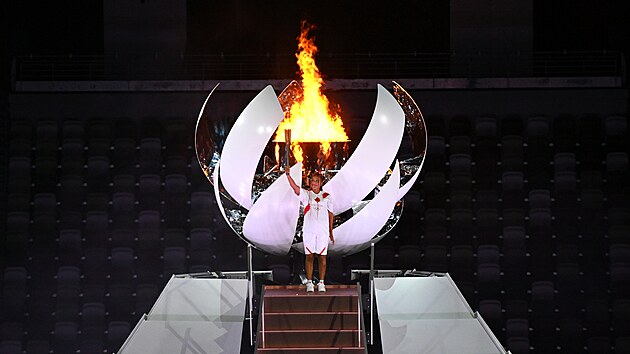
[{"x": 311, "y": 119}]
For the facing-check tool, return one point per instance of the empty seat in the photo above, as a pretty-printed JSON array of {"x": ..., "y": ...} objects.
[
  {"x": 175, "y": 136},
  {"x": 174, "y": 261},
  {"x": 200, "y": 247},
  {"x": 95, "y": 266},
  {"x": 488, "y": 280},
  {"x": 512, "y": 153},
  {"x": 564, "y": 162},
  {"x": 539, "y": 198},
  {"x": 597, "y": 318},
  {"x": 571, "y": 335},
  {"x": 93, "y": 321},
  {"x": 38, "y": 346},
  {"x": 590, "y": 131},
  {"x": 517, "y": 327},
  {"x": 122, "y": 265},
  {"x": 98, "y": 174},
  {"x": 124, "y": 156},
  {"x": 10, "y": 347},
  {"x": 65, "y": 337},
  {"x": 174, "y": 237},
  {"x": 460, "y": 164},
  {"x": 97, "y": 202},
  {"x": 616, "y": 162},
  {"x": 537, "y": 127},
  {"x": 620, "y": 314},
  {"x": 176, "y": 165},
  {"x": 487, "y": 222},
  {"x": 68, "y": 285},
  {"x": 123, "y": 210},
  {"x": 490, "y": 310},
  {"x": 460, "y": 144},
  {"x": 45, "y": 176},
  {"x": 150, "y": 156},
  {"x": 486, "y": 198},
  {"x": 486, "y": 128},
  {"x": 146, "y": 295},
  {"x": 120, "y": 302},
  {"x": 384, "y": 255},
  {"x": 435, "y": 259},
  {"x": 564, "y": 133},
  {"x": 409, "y": 257},
  {"x": 461, "y": 266},
  {"x": 96, "y": 228},
  {"x": 434, "y": 183},
  {"x": 518, "y": 345},
  {"x": 598, "y": 345},
  {"x": 14, "y": 291},
  {"x": 71, "y": 194},
  {"x": 622, "y": 344},
  {"x": 12, "y": 331},
  {"x": 513, "y": 189},
  {"x": 436, "y": 156},
  {"x": 616, "y": 130},
  {"x": 91, "y": 346},
  {"x": 125, "y": 183},
  {"x": 149, "y": 192},
  {"x": 175, "y": 200},
  {"x": 117, "y": 332},
  {"x": 461, "y": 225}
]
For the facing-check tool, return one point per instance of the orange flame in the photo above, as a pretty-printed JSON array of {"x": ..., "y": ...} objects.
[{"x": 311, "y": 119}]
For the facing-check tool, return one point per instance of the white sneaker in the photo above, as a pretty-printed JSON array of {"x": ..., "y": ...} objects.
[
  {"x": 310, "y": 287},
  {"x": 321, "y": 287}
]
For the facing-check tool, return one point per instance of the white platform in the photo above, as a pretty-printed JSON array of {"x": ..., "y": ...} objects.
[
  {"x": 429, "y": 315},
  {"x": 192, "y": 315}
]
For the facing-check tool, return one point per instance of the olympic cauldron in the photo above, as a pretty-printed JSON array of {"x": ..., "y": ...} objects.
[{"x": 367, "y": 185}]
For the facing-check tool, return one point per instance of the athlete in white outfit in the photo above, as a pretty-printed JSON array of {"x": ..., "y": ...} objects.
[{"x": 318, "y": 226}]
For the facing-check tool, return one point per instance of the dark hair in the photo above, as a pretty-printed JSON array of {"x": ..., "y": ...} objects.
[{"x": 316, "y": 174}]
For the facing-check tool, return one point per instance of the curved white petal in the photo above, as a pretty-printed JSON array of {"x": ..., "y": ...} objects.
[
  {"x": 246, "y": 142},
  {"x": 356, "y": 232},
  {"x": 271, "y": 222},
  {"x": 372, "y": 157}
]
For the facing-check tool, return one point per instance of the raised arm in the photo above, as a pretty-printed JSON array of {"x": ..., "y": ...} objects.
[{"x": 292, "y": 183}]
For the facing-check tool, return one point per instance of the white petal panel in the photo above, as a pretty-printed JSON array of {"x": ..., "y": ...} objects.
[
  {"x": 271, "y": 222},
  {"x": 372, "y": 157},
  {"x": 245, "y": 143},
  {"x": 354, "y": 233}
]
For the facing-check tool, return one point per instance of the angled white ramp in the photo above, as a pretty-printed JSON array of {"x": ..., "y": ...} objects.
[
  {"x": 429, "y": 315},
  {"x": 192, "y": 315}
]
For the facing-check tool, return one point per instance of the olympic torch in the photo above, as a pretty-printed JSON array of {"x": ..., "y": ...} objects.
[{"x": 287, "y": 146}]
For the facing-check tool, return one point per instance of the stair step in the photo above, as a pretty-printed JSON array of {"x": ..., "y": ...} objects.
[
  {"x": 309, "y": 338},
  {"x": 317, "y": 302},
  {"x": 311, "y": 320},
  {"x": 340, "y": 350}
]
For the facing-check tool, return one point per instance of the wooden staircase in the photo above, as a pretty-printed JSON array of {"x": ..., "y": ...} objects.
[{"x": 294, "y": 322}]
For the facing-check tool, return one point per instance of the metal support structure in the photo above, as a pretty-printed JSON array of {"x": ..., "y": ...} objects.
[
  {"x": 250, "y": 294},
  {"x": 371, "y": 293}
]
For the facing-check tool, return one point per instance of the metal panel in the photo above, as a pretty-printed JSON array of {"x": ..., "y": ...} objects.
[
  {"x": 192, "y": 315},
  {"x": 429, "y": 315}
]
